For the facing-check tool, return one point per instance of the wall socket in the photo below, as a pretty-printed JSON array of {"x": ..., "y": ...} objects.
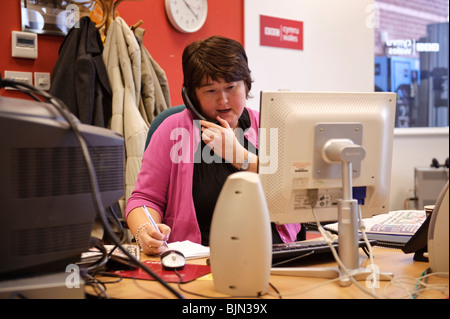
[
  {"x": 42, "y": 81},
  {"x": 25, "y": 77}
]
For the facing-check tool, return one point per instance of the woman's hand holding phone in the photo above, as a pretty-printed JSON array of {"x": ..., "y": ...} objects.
[{"x": 222, "y": 140}]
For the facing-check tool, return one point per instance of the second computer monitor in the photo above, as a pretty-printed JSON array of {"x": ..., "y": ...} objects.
[{"x": 295, "y": 130}]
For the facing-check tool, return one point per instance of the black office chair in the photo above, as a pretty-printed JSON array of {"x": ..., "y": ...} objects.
[{"x": 160, "y": 118}]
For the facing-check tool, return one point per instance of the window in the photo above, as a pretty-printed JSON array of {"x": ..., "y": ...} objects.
[{"x": 411, "y": 59}]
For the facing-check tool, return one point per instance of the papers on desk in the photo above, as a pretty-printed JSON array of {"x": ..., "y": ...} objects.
[
  {"x": 393, "y": 229},
  {"x": 190, "y": 250},
  {"x": 117, "y": 255}
]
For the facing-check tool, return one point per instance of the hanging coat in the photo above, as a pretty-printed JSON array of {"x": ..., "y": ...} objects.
[
  {"x": 79, "y": 76},
  {"x": 122, "y": 58},
  {"x": 155, "y": 96}
]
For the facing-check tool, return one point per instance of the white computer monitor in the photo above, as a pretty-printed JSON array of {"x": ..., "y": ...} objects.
[
  {"x": 295, "y": 126},
  {"x": 327, "y": 157}
]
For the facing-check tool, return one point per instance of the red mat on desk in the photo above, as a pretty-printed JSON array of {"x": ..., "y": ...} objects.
[{"x": 189, "y": 272}]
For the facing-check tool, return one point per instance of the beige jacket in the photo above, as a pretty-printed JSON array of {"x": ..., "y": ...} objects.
[
  {"x": 123, "y": 60},
  {"x": 155, "y": 96}
]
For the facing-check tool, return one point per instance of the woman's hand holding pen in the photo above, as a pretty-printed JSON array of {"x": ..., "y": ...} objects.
[
  {"x": 152, "y": 241},
  {"x": 153, "y": 237}
]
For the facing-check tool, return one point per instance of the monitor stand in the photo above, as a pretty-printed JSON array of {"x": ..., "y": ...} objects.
[{"x": 348, "y": 245}]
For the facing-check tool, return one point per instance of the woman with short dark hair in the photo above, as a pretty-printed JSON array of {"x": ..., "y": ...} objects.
[{"x": 192, "y": 152}]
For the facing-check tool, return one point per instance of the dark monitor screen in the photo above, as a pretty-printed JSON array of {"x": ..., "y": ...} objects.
[{"x": 46, "y": 206}]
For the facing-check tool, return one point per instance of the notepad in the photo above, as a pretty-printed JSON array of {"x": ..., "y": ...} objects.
[{"x": 190, "y": 250}]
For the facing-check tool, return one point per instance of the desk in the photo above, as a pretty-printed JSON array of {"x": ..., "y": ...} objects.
[{"x": 388, "y": 260}]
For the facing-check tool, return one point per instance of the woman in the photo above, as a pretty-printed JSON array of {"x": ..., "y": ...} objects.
[{"x": 186, "y": 164}]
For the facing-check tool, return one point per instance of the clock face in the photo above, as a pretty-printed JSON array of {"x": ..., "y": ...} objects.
[{"x": 187, "y": 15}]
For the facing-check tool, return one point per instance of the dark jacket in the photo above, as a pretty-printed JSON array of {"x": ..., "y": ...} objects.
[{"x": 79, "y": 77}]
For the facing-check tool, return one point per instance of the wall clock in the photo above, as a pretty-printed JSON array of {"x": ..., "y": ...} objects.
[{"x": 187, "y": 15}]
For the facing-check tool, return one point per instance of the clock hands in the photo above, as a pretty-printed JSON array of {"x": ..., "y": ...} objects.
[
  {"x": 190, "y": 8},
  {"x": 186, "y": 15}
]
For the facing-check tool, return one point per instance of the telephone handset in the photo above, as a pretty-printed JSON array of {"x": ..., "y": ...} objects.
[{"x": 188, "y": 103}]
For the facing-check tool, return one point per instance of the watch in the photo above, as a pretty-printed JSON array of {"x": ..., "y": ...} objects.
[
  {"x": 187, "y": 16},
  {"x": 245, "y": 164}
]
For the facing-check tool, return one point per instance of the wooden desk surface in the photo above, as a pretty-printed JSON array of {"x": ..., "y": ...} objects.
[{"x": 388, "y": 260}]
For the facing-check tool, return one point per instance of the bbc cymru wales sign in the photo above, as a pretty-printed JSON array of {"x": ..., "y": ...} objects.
[{"x": 281, "y": 33}]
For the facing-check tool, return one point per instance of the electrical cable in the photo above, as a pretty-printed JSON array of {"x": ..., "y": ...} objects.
[
  {"x": 329, "y": 238},
  {"x": 415, "y": 287},
  {"x": 362, "y": 228},
  {"x": 95, "y": 242},
  {"x": 180, "y": 279},
  {"x": 68, "y": 116},
  {"x": 293, "y": 259}
]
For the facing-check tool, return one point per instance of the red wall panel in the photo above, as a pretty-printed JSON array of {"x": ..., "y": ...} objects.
[{"x": 163, "y": 42}]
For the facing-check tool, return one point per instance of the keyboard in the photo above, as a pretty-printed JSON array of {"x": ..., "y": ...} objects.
[{"x": 302, "y": 250}]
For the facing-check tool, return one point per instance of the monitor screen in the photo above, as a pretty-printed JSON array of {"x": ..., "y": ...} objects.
[
  {"x": 46, "y": 207},
  {"x": 294, "y": 129}
]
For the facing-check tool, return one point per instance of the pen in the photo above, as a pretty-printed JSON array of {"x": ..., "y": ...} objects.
[{"x": 152, "y": 221}]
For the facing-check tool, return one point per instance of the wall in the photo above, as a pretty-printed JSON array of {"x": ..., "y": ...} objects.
[
  {"x": 47, "y": 45},
  {"x": 310, "y": 70},
  {"x": 337, "y": 50},
  {"x": 163, "y": 42},
  {"x": 338, "y": 55},
  {"x": 414, "y": 147}
]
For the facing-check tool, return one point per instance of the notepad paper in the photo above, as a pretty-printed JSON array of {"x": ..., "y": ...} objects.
[{"x": 190, "y": 250}]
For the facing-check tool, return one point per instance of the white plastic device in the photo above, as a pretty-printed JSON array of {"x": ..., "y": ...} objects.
[
  {"x": 438, "y": 238},
  {"x": 24, "y": 45},
  {"x": 241, "y": 238}
]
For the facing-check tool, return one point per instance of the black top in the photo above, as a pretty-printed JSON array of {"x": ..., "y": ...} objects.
[{"x": 210, "y": 176}]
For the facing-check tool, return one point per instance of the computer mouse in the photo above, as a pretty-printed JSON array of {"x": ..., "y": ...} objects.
[{"x": 173, "y": 260}]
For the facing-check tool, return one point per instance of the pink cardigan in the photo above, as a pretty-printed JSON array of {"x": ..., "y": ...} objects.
[{"x": 165, "y": 179}]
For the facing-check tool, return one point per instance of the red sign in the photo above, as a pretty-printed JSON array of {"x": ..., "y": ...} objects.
[{"x": 281, "y": 33}]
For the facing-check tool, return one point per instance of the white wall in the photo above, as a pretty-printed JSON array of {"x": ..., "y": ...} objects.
[
  {"x": 338, "y": 47},
  {"x": 414, "y": 147},
  {"x": 338, "y": 55}
]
